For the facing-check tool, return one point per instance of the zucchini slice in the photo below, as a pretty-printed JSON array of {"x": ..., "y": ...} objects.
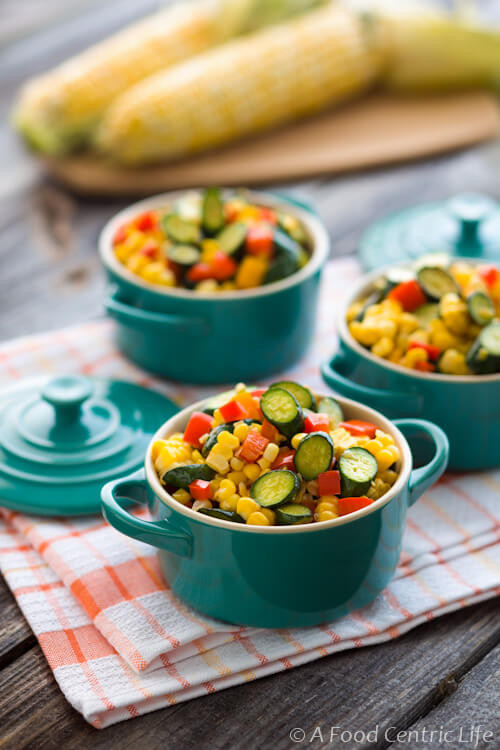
[
  {"x": 331, "y": 407},
  {"x": 425, "y": 314},
  {"x": 358, "y": 467},
  {"x": 293, "y": 513},
  {"x": 314, "y": 455},
  {"x": 303, "y": 395},
  {"x": 275, "y": 488},
  {"x": 435, "y": 282},
  {"x": 232, "y": 237},
  {"x": 223, "y": 515},
  {"x": 181, "y": 231},
  {"x": 182, "y": 476},
  {"x": 183, "y": 255},
  {"x": 481, "y": 308},
  {"x": 287, "y": 260},
  {"x": 283, "y": 411},
  {"x": 483, "y": 357},
  {"x": 212, "y": 212}
]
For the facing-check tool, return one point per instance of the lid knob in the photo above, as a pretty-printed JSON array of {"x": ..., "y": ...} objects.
[
  {"x": 470, "y": 209},
  {"x": 67, "y": 394}
]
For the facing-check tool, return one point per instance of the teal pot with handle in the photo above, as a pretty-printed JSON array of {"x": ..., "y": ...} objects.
[
  {"x": 466, "y": 407},
  {"x": 277, "y": 576},
  {"x": 202, "y": 337}
]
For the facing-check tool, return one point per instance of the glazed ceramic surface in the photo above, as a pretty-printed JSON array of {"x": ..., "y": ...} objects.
[
  {"x": 278, "y": 576},
  {"x": 466, "y": 407},
  {"x": 215, "y": 338}
]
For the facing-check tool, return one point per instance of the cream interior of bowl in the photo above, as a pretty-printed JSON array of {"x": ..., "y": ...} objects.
[
  {"x": 362, "y": 289},
  {"x": 352, "y": 410},
  {"x": 315, "y": 231}
]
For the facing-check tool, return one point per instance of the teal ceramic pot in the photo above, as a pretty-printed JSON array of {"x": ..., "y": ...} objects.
[
  {"x": 275, "y": 576},
  {"x": 214, "y": 338},
  {"x": 466, "y": 407}
]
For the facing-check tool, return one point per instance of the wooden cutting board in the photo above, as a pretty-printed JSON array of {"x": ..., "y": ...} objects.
[{"x": 376, "y": 130}]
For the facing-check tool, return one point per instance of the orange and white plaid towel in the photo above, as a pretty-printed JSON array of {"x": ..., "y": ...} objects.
[{"x": 120, "y": 644}]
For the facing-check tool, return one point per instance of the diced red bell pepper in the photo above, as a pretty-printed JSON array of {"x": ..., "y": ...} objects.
[
  {"x": 260, "y": 240},
  {"x": 199, "y": 424},
  {"x": 146, "y": 221},
  {"x": 432, "y": 351},
  {"x": 200, "y": 272},
  {"x": 329, "y": 483},
  {"x": 269, "y": 431},
  {"x": 223, "y": 266},
  {"x": 250, "y": 404},
  {"x": 268, "y": 215},
  {"x": 232, "y": 411},
  {"x": 316, "y": 423},
  {"x": 231, "y": 212},
  {"x": 253, "y": 446},
  {"x": 424, "y": 366},
  {"x": 200, "y": 489},
  {"x": 409, "y": 295},
  {"x": 359, "y": 428},
  {"x": 258, "y": 393},
  {"x": 351, "y": 504},
  {"x": 120, "y": 235},
  {"x": 285, "y": 461},
  {"x": 489, "y": 273},
  {"x": 149, "y": 249}
]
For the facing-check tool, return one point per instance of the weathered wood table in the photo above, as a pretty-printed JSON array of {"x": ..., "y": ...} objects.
[{"x": 443, "y": 676}]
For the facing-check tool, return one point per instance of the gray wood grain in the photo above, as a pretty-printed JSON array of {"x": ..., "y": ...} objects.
[{"x": 15, "y": 634}]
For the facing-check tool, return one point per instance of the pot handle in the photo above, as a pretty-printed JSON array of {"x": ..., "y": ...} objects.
[
  {"x": 135, "y": 489},
  {"x": 136, "y": 317},
  {"x": 377, "y": 398},
  {"x": 425, "y": 476}
]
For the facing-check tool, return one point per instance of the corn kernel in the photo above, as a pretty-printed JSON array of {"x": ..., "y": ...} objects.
[
  {"x": 237, "y": 464},
  {"x": 243, "y": 489},
  {"x": 158, "y": 445},
  {"x": 241, "y": 431},
  {"x": 214, "y": 486},
  {"x": 364, "y": 333},
  {"x": 246, "y": 506},
  {"x": 271, "y": 452},
  {"x": 218, "y": 418},
  {"x": 269, "y": 514},
  {"x": 322, "y": 506},
  {"x": 312, "y": 487},
  {"x": 236, "y": 476},
  {"x": 353, "y": 311},
  {"x": 263, "y": 463},
  {"x": 384, "y": 438},
  {"x": 182, "y": 496},
  {"x": 226, "y": 489},
  {"x": 374, "y": 446},
  {"x": 330, "y": 500},
  {"x": 197, "y": 457},
  {"x": 230, "y": 503},
  {"x": 199, "y": 504},
  {"x": 389, "y": 476},
  {"x": 257, "y": 519},
  {"x": 386, "y": 457},
  {"x": 228, "y": 439},
  {"x": 222, "y": 450},
  {"x": 325, "y": 515},
  {"x": 217, "y": 462},
  {"x": 297, "y": 438},
  {"x": 383, "y": 347},
  {"x": 251, "y": 471}
]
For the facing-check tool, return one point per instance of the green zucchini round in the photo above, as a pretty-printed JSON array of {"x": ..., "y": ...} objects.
[
  {"x": 182, "y": 476},
  {"x": 358, "y": 468},
  {"x": 181, "y": 231},
  {"x": 293, "y": 513},
  {"x": 212, "y": 212},
  {"x": 281, "y": 408},
  {"x": 184, "y": 255},
  {"x": 481, "y": 308},
  {"x": 223, "y": 515},
  {"x": 435, "y": 282},
  {"x": 314, "y": 455},
  {"x": 275, "y": 488},
  {"x": 303, "y": 395}
]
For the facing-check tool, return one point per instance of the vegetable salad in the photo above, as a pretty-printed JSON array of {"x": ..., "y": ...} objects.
[
  {"x": 279, "y": 456},
  {"x": 438, "y": 317},
  {"x": 209, "y": 244}
]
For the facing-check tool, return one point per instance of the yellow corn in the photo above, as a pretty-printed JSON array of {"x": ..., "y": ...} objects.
[
  {"x": 251, "y": 271},
  {"x": 241, "y": 430},
  {"x": 245, "y": 86},
  {"x": 59, "y": 110},
  {"x": 229, "y": 440},
  {"x": 200, "y": 504},
  {"x": 297, "y": 438},
  {"x": 182, "y": 496},
  {"x": 226, "y": 489},
  {"x": 246, "y": 506},
  {"x": 258, "y": 519},
  {"x": 217, "y": 462},
  {"x": 230, "y": 503},
  {"x": 251, "y": 471}
]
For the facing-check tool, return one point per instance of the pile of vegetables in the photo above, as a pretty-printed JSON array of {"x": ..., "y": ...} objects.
[
  {"x": 437, "y": 316},
  {"x": 276, "y": 456},
  {"x": 209, "y": 244}
]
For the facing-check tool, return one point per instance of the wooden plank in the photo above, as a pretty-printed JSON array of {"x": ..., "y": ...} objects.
[
  {"x": 16, "y": 636},
  {"x": 387, "y": 685},
  {"x": 469, "y": 717}
]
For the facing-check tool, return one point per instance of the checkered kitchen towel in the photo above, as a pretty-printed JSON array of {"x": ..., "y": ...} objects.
[{"x": 120, "y": 644}]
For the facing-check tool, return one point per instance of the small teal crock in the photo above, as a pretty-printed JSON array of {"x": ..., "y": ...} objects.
[
  {"x": 466, "y": 407},
  {"x": 202, "y": 337},
  {"x": 277, "y": 576}
]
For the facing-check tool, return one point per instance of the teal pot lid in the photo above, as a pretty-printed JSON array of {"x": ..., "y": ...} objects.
[
  {"x": 466, "y": 225},
  {"x": 63, "y": 438}
]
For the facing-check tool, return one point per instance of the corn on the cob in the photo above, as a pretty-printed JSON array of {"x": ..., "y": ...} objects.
[
  {"x": 240, "y": 88},
  {"x": 58, "y": 111}
]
